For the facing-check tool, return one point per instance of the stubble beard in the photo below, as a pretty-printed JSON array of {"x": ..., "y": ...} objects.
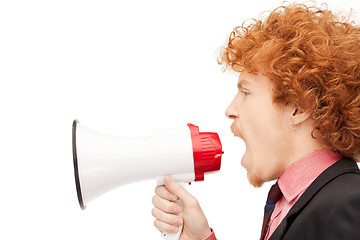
[{"x": 254, "y": 179}]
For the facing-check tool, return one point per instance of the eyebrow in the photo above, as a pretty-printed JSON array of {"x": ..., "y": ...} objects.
[{"x": 241, "y": 82}]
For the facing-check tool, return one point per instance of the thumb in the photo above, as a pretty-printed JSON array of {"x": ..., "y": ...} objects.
[{"x": 178, "y": 190}]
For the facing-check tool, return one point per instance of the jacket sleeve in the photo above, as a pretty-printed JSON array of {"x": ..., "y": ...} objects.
[
  {"x": 211, "y": 236},
  {"x": 344, "y": 219}
]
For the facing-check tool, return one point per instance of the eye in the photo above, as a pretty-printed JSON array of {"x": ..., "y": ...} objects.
[{"x": 245, "y": 92}]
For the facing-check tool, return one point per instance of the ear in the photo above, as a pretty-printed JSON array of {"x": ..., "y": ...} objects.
[{"x": 299, "y": 115}]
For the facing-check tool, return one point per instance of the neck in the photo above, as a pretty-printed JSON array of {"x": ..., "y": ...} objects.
[{"x": 303, "y": 145}]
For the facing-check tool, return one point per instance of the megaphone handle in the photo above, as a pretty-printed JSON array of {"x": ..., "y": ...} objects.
[{"x": 174, "y": 236}]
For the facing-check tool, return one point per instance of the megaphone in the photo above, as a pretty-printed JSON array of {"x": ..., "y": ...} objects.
[{"x": 104, "y": 162}]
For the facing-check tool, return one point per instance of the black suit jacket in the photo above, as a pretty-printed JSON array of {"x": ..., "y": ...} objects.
[{"x": 329, "y": 209}]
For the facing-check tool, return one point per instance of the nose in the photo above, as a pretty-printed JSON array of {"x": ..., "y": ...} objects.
[{"x": 232, "y": 112}]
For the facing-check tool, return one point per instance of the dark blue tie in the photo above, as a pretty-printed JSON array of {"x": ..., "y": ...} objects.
[{"x": 274, "y": 195}]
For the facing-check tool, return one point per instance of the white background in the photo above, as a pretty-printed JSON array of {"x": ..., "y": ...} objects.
[{"x": 125, "y": 68}]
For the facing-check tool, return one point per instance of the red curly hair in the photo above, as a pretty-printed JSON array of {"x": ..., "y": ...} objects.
[{"x": 313, "y": 59}]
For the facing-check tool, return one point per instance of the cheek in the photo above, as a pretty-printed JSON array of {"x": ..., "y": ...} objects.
[
  {"x": 264, "y": 134},
  {"x": 258, "y": 127}
]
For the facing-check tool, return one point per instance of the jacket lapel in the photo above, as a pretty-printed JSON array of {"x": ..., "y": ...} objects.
[{"x": 342, "y": 166}]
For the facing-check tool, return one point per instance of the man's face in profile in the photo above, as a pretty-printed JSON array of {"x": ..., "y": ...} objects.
[{"x": 264, "y": 127}]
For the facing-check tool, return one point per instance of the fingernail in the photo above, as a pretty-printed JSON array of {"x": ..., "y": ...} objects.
[
  {"x": 170, "y": 178},
  {"x": 179, "y": 221},
  {"x": 177, "y": 209}
]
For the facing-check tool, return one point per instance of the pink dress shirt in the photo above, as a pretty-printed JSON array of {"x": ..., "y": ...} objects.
[
  {"x": 212, "y": 236},
  {"x": 293, "y": 183}
]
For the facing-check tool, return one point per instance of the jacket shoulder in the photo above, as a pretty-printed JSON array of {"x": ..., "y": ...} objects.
[
  {"x": 321, "y": 205},
  {"x": 344, "y": 219}
]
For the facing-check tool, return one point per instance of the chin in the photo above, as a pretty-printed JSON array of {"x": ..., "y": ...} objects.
[{"x": 255, "y": 179}]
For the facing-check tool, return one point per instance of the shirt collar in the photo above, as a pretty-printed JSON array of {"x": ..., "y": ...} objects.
[{"x": 304, "y": 171}]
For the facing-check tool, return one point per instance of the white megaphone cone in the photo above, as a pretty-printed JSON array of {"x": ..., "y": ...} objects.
[{"x": 104, "y": 162}]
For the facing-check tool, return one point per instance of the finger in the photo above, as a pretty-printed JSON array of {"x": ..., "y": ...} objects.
[
  {"x": 164, "y": 227},
  {"x": 166, "y": 217},
  {"x": 165, "y": 194},
  {"x": 178, "y": 190},
  {"x": 165, "y": 205}
]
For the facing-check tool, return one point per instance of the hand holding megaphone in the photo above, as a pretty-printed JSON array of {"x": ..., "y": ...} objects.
[
  {"x": 166, "y": 201},
  {"x": 104, "y": 162}
]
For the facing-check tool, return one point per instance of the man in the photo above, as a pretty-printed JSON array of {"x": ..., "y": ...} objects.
[{"x": 298, "y": 111}]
